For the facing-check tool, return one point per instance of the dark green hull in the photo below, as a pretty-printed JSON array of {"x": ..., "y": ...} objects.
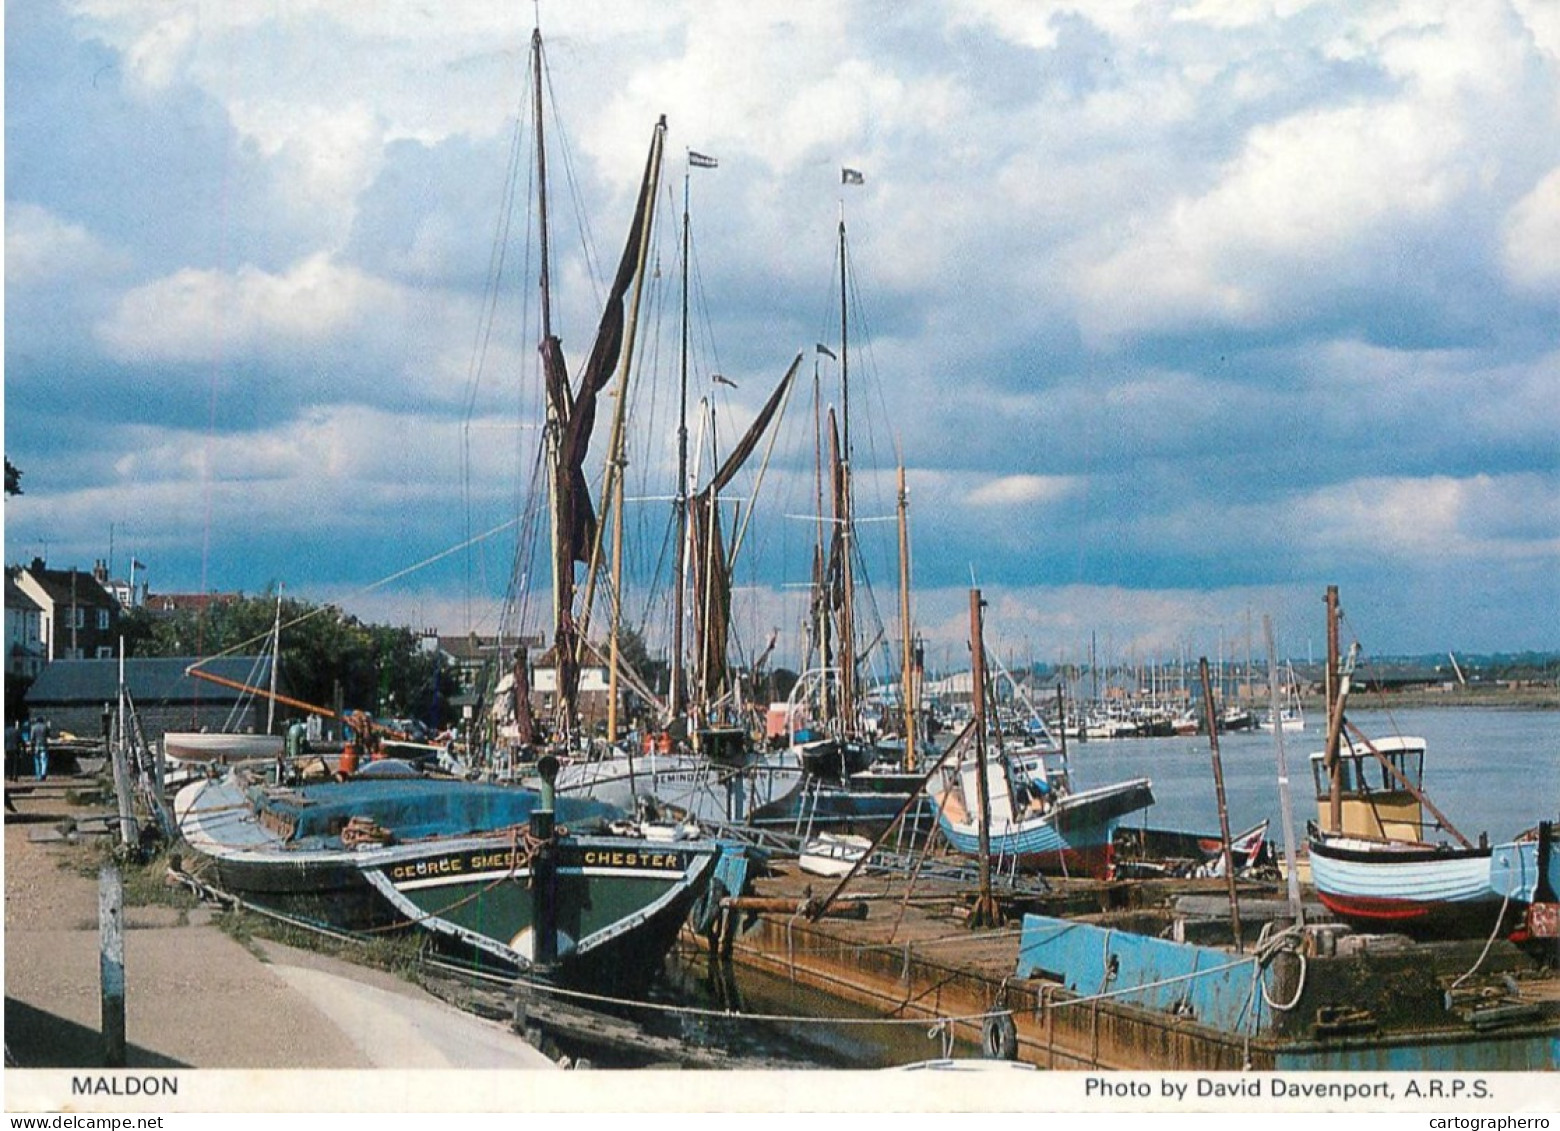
[{"x": 618, "y": 902}]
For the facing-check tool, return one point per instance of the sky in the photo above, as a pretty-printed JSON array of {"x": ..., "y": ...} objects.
[{"x": 1175, "y": 313}]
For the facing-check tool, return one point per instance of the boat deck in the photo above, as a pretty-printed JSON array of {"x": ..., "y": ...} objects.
[{"x": 899, "y": 949}]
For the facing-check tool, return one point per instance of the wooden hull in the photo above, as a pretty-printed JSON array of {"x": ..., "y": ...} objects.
[
  {"x": 686, "y": 784},
  {"x": 1403, "y": 886},
  {"x": 221, "y": 749},
  {"x": 864, "y": 803},
  {"x": 1073, "y": 838},
  {"x": 1515, "y": 873},
  {"x": 619, "y": 901}
]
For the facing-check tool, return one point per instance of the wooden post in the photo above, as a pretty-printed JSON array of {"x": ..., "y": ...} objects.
[
  {"x": 544, "y": 873},
  {"x": 1224, "y": 812},
  {"x": 1335, "y": 699},
  {"x": 111, "y": 964}
]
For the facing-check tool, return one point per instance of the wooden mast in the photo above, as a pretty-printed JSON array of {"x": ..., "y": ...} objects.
[
  {"x": 1224, "y": 812},
  {"x": 984, "y": 913},
  {"x": 276, "y": 661},
  {"x": 678, "y": 692},
  {"x": 1336, "y": 693},
  {"x": 845, "y": 517},
  {"x": 906, "y": 674},
  {"x": 544, "y": 286},
  {"x": 1286, "y": 810},
  {"x": 613, "y": 488}
]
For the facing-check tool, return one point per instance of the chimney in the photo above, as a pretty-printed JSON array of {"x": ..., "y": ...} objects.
[{"x": 100, "y": 572}]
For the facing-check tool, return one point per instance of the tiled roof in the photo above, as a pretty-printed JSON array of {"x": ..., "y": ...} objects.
[
  {"x": 72, "y": 586},
  {"x": 171, "y": 602}
]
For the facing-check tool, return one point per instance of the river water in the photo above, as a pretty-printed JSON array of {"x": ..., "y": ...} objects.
[{"x": 1489, "y": 770}]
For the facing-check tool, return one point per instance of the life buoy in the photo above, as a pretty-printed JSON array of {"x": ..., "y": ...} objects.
[
  {"x": 999, "y": 1037},
  {"x": 663, "y": 742},
  {"x": 349, "y": 760}
]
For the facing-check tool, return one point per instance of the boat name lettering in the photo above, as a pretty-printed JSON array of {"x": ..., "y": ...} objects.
[
  {"x": 439, "y": 866},
  {"x": 608, "y": 858},
  {"x": 489, "y": 861}
]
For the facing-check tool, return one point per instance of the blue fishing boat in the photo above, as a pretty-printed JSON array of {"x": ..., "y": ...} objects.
[
  {"x": 1526, "y": 870},
  {"x": 1378, "y": 869},
  {"x": 1407, "y": 886}
]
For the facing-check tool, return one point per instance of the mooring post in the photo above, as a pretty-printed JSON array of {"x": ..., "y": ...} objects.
[
  {"x": 544, "y": 871},
  {"x": 111, "y": 963}
]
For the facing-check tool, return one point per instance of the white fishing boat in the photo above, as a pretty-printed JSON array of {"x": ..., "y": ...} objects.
[{"x": 833, "y": 854}]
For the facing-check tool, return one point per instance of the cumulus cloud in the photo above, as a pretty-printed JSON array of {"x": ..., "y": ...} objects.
[
  {"x": 42, "y": 248},
  {"x": 1532, "y": 233},
  {"x": 1236, "y": 295},
  {"x": 198, "y": 314},
  {"x": 1485, "y": 516},
  {"x": 1014, "y": 490}
]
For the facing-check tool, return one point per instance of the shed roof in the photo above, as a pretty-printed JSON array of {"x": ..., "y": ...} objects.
[{"x": 150, "y": 681}]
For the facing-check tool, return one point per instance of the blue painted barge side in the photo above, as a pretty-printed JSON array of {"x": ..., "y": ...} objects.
[{"x": 1312, "y": 1001}]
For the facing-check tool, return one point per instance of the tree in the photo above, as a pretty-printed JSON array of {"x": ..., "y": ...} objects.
[
  {"x": 13, "y": 479},
  {"x": 328, "y": 658},
  {"x": 635, "y": 655}
]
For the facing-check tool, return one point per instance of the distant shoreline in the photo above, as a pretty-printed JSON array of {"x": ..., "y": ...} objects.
[{"x": 1505, "y": 698}]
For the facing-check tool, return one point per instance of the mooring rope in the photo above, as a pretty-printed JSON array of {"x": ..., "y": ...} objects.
[
  {"x": 1500, "y": 918},
  {"x": 633, "y": 1003}
]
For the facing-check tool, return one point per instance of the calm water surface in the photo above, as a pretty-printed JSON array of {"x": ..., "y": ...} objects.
[{"x": 1488, "y": 770}]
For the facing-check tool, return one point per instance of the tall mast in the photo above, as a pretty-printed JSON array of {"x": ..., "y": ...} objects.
[
  {"x": 906, "y": 670},
  {"x": 845, "y": 517},
  {"x": 276, "y": 659},
  {"x": 821, "y": 611},
  {"x": 680, "y": 504},
  {"x": 545, "y": 287},
  {"x": 615, "y": 461},
  {"x": 985, "y": 911}
]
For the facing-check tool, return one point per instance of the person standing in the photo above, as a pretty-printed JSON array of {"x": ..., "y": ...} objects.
[
  {"x": 18, "y": 745},
  {"x": 41, "y": 749}
]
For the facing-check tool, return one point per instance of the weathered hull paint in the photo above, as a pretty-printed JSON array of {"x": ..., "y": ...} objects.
[
  {"x": 1393, "y": 886},
  {"x": 1075, "y": 837}
]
